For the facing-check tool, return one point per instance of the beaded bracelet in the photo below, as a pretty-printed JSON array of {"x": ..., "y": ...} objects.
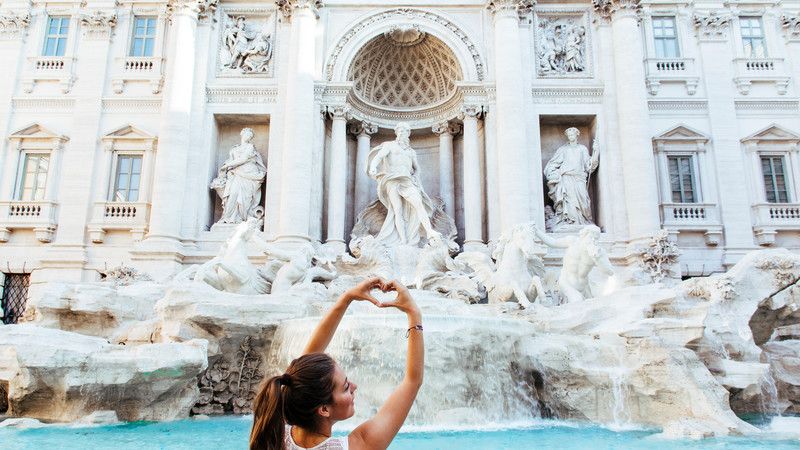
[{"x": 415, "y": 327}]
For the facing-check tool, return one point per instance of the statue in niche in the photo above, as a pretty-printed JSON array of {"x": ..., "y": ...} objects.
[
  {"x": 239, "y": 181},
  {"x": 562, "y": 47},
  {"x": 567, "y": 174},
  {"x": 403, "y": 214},
  {"x": 248, "y": 51},
  {"x": 583, "y": 253}
]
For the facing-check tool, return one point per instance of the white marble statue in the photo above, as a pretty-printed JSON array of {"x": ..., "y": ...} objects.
[
  {"x": 567, "y": 174},
  {"x": 517, "y": 272},
  {"x": 437, "y": 271},
  {"x": 408, "y": 208},
  {"x": 289, "y": 268},
  {"x": 562, "y": 47},
  {"x": 248, "y": 51},
  {"x": 239, "y": 181},
  {"x": 583, "y": 253},
  {"x": 231, "y": 270}
]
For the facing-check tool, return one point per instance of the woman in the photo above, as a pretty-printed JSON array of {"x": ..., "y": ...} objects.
[{"x": 297, "y": 410}]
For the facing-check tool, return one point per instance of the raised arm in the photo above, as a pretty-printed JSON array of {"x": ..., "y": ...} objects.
[
  {"x": 373, "y": 164},
  {"x": 378, "y": 432},
  {"x": 323, "y": 334}
]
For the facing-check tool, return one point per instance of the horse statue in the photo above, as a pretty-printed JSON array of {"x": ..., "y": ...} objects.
[
  {"x": 516, "y": 273},
  {"x": 231, "y": 270}
]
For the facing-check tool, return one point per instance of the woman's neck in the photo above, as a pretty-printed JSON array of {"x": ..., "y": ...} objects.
[{"x": 311, "y": 438}]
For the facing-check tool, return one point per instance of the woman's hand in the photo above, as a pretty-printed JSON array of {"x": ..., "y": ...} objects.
[
  {"x": 363, "y": 291},
  {"x": 404, "y": 302}
]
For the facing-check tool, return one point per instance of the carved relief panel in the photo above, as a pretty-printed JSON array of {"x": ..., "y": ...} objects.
[
  {"x": 562, "y": 44},
  {"x": 247, "y": 42}
]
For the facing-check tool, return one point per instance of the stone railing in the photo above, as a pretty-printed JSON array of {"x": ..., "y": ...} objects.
[
  {"x": 702, "y": 217},
  {"x": 768, "y": 218},
  {"x": 39, "y": 216},
  {"x": 660, "y": 70},
  {"x": 139, "y": 69},
  {"x": 48, "y": 68},
  {"x": 126, "y": 216},
  {"x": 750, "y": 70}
]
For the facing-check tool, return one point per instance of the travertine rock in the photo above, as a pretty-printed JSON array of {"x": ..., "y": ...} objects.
[{"x": 58, "y": 375}]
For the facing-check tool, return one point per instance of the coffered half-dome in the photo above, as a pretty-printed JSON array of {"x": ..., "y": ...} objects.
[{"x": 405, "y": 68}]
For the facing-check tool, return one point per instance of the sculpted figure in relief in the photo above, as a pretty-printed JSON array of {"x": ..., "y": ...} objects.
[
  {"x": 562, "y": 47},
  {"x": 567, "y": 175},
  {"x": 294, "y": 267},
  {"x": 583, "y": 253},
  {"x": 394, "y": 166},
  {"x": 239, "y": 181},
  {"x": 248, "y": 51},
  {"x": 517, "y": 272}
]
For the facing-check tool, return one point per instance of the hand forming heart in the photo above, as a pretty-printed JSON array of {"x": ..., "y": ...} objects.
[{"x": 363, "y": 291}]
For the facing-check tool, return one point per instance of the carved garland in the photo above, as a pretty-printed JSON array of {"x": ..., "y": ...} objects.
[
  {"x": 415, "y": 15},
  {"x": 712, "y": 25},
  {"x": 791, "y": 24},
  {"x": 13, "y": 24}
]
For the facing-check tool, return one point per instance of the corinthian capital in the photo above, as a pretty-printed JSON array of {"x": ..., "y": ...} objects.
[
  {"x": 98, "y": 24},
  {"x": 288, "y": 7},
  {"x": 712, "y": 26},
  {"x": 519, "y": 7},
  {"x": 339, "y": 111},
  {"x": 608, "y": 8},
  {"x": 202, "y": 9},
  {"x": 363, "y": 128}
]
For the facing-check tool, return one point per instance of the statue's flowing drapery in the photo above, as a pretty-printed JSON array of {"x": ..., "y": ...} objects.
[
  {"x": 404, "y": 186},
  {"x": 570, "y": 193},
  {"x": 243, "y": 184}
]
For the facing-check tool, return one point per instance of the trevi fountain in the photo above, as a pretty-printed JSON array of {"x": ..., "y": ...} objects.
[{"x": 585, "y": 297}]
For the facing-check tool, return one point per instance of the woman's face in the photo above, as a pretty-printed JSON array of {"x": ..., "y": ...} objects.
[{"x": 343, "y": 394}]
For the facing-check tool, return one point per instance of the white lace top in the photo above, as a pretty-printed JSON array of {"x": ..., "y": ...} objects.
[{"x": 332, "y": 443}]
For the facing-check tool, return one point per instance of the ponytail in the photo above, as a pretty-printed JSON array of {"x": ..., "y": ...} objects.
[
  {"x": 293, "y": 399},
  {"x": 268, "y": 417}
]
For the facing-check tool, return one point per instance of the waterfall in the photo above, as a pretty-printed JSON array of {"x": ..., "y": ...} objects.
[{"x": 471, "y": 375}]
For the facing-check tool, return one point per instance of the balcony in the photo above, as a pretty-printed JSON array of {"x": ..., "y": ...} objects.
[
  {"x": 124, "y": 216},
  {"x": 702, "y": 217},
  {"x": 39, "y": 216},
  {"x": 49, "y": 68},
  {"x": 668, "y": 70},
  {"x": 760, "y": 70},
  {"x": 139, "y": 69},
  {"x": 770, "y": 217}
]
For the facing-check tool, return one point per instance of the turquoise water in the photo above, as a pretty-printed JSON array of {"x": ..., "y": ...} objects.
[{"x": 232, "y": 432}]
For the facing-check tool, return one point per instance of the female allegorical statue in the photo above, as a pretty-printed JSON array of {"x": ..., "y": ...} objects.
[{"x": 239, "y": 181}]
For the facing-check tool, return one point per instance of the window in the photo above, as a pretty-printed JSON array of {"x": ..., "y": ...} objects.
[
  {"x": 55, "y": 41},
  {"x": 127, "y": 177},
  {"x": 144, "y": 36},
  {"x": 753, "y": 37},
  {"x": 681, "y": 179},
  {"x": 34, "y": 177},
  {"x": 666, "y": 37},
  {"x": 772, "y": 167}
]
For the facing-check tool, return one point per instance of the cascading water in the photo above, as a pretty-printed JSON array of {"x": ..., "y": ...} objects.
[
  {"x": 770, "y": 404},
  {"x": 469, "y": 366}
]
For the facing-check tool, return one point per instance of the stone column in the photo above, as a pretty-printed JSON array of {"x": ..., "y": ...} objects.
[
  {"x": 14, "y": 24},
  {"x": 175, "y": 131},
  {"x": 512, "y": 154},
  {"x": 492, "y": 196},
  {"x": 734, "y": 198},
  {"x": 362, "y": 194},
  {"x": 446, "y": 130},
  {"x": 473, "y": 198},
  {"x": 638, "y": 164},
  {"x": 790, "y": 22},
  {"x": 337, "y": 177},
  {"x": 300, "y": 115}
]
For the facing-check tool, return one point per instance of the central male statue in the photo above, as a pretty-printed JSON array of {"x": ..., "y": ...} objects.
[{"x": 409, "y": 210}]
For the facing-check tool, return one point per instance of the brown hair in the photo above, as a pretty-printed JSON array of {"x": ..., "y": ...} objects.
[{"x": 291, "y": 398}]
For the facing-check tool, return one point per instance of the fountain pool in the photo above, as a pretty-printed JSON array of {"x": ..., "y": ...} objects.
[{"x": 232, "y": 432}]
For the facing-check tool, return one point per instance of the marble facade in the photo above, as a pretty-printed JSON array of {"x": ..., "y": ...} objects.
[{"x": 487, "y": 88}]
